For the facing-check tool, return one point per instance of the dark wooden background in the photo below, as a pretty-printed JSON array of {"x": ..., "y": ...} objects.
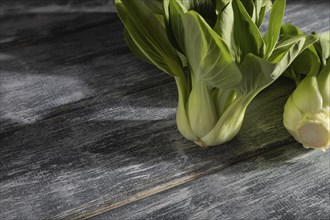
[{"x": 88, "y": 130}]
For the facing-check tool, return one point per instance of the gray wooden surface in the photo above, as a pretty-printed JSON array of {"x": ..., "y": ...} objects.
[
  {"x": 88, "y": 130},
  {"x": 18, "y": 7}
]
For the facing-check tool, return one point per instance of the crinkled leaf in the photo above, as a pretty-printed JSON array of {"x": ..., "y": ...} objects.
[
  {"x": 207, "y": 55},
  {"x": 149, "y": 36},
  {"x": 288, "y": 31},
  {"x": 307, "y": 63},
  {"x": 286, "y": 51},
  {"x": 258, "y": 73},
  {"x": 274, "y": 26},
  {"x": 284, "y": 46}
]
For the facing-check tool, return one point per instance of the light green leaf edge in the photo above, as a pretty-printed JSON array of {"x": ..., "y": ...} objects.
[
  {"x": 149, "y": 35},
  {"x": 274, "y": 26}
]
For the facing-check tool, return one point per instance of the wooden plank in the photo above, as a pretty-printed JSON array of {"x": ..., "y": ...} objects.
[
  {"x": 109, "y": 152},
  {"x": 111, "y": 143},
  {"x": 285, "y": 183},
  {"x": 64, "y": 6},
  {"x": 69, "y": 69},
  {"x": 21, "y": 30},
  {"x": 309, "y": 16},
  {"x": 26, "y": 22},
  {"x": 94, "y": 128}
]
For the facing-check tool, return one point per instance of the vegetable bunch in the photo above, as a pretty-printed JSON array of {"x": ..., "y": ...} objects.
[
  {"x": 307, "y": 111},
  {"x": 216, "y": 54}
]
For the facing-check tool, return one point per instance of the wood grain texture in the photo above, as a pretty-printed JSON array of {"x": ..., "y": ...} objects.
[
  {"x": 109, "y": 149},
  {"x": 13, "y": 7},
  {"x": 87, "y": 128},
  {"x": 21, "y": 30},
  {"x": 105, "y": 128},
  {"x": 285, "y": 183}
]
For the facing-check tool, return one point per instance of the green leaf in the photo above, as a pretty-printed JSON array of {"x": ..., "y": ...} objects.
[
  {"x": 206, "y": 8},
  {"x": 257, "y": 73},
  {"x": 289, "y": 30},
  {"x": 286, "y": 51},
  {"x": 274, "y": 26},
  {"x": 249, "y": 7},
  {"x": 156, "y": 6},
  {"x": 323, "y": 79},
  {"x": 221, "y": 4},
  {"x": 247, "y": 34},
  {"x": 307, "y": 63},
  {"x": 225, "y": 23},
  {"x": 149, "y": 35},
  {"x": 209, "y": 58},
  {"x": 282, "y": 47},
  {"x": 239, "y": 32},
  {"x": 323, "y": 47},
  {"x": 261, "y": 8},
  {"x": 176, "y": 10},
  {"x": 223, "y": 99},
  {"x": 134, "y": 48}
]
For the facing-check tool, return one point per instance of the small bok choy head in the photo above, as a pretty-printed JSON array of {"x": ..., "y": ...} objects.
[
  {"x": 215, "y": 52},
  {"x": 307, "y": 111}
]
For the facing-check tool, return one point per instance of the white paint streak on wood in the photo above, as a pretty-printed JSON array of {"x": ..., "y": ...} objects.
[
  {"x": 107, "y": 8},
  {"x": 134, "y": 113},
  {"x": 65, "y": 165},
  {"x": 26, "y": 97}
]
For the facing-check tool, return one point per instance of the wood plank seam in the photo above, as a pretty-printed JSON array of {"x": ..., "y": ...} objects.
[{"x": 194, "y": 175}]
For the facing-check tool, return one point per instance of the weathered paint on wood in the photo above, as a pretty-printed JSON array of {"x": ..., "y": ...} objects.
[
  {"x": 287, "y": 182},
  {"x": 14, "y": 7},
  {"x": 69, "y": 69},
  {"x": 114, "y": 143},
  {"x": 87, "y": 128},
  {"x": 18, "y": 31}
]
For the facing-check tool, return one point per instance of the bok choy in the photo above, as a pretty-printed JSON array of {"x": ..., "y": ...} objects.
[
  {"x": 307, "y": 111},
  {"x": 216, "y": 54}
]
